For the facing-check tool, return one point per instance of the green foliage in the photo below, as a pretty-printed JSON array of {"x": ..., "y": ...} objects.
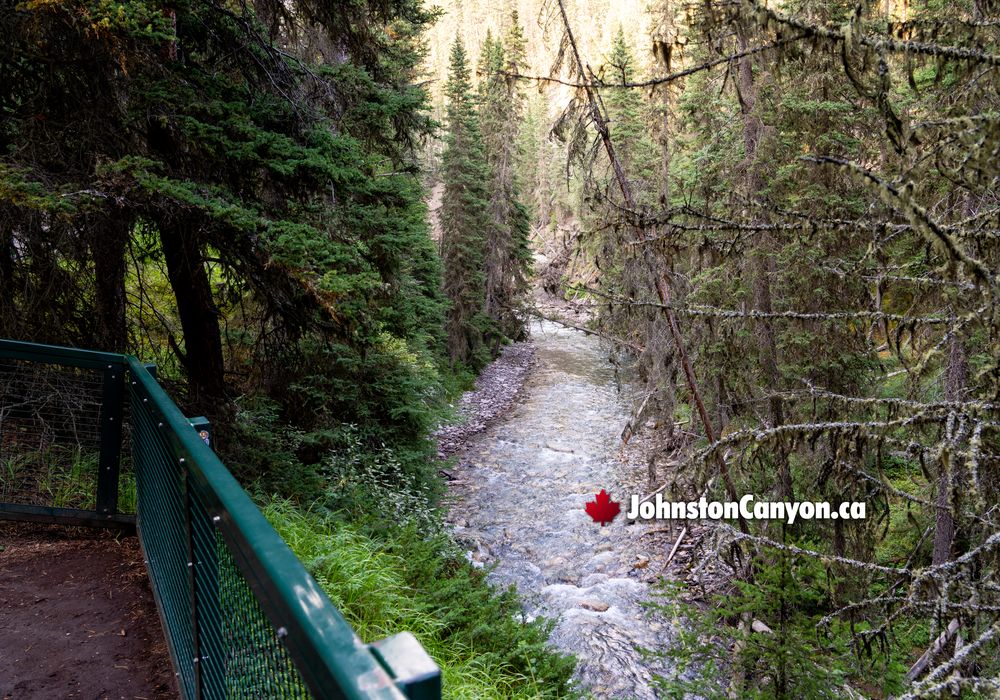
[
  {"x": 291, "y": 178},
  {"x": 374, "y": 485},
  {"x": 629, "y": 115},
  {"x": 387, "y": 578},
  {"x": 465, "y": 220},
  {"x": 797, "y": 658},
  {"x": 501, "y": 106}
]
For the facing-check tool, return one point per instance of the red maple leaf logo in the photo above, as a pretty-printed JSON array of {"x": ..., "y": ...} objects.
[{"x": 602, "y": 509}]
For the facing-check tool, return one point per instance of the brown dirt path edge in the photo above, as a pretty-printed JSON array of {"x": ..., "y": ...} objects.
[{"x": 77, "y": 618}]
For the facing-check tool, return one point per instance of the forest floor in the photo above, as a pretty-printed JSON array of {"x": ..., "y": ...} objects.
[{"x": 78, "y": 618}]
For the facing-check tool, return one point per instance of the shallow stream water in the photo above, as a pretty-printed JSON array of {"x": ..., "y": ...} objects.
[{"x": 519, "y": 502}]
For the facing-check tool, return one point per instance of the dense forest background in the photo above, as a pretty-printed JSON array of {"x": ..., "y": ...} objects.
[{"x": 783, "y": 218}]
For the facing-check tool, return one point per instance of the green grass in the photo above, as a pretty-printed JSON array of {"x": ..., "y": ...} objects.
[
  {"x": 71, "y": 480},
  {"x": 397, "y": 579},
  {"x": 127, "y": 498},
  {"x": 56, "y": 476},
  {"x": 12, "y": 472},
  {"x": 384, "y": 577},
  {"x": 59, "y": 477}
]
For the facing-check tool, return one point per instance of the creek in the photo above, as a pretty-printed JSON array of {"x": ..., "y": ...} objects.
[{"x": 519, "y": 505}]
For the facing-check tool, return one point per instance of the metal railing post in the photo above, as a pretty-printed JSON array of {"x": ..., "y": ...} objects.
[
  {"x": 208, "y": 613},
  {"x": 109, "y": 463},
  {"x": 192, "y": 580}
]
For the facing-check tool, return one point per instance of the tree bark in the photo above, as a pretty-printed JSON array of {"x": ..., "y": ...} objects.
[
  {"x": 7, "y": 304},
  {"x": 944, "y": 523},
  {"x": 108, "y": 248},
  {"x": 762, "y": 259},
  {"x": 202, "y": 359}
]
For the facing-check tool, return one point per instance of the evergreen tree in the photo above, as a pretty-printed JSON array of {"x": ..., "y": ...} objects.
[
  {"x": 823, "y": 226},
  {"x": 465, "y": 219},
  {"x": 186, "y": 143},
  {"x": 507, "y": 253},
  {"x": 631, "y": 127},
  {"x": 631, "y": 118}
]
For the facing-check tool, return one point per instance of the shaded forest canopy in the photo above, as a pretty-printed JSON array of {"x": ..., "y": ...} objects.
[
  {"x": 230, "y": 193},
  {"x": 785, "y": 216},
  {"x": 232, "y": 190}
]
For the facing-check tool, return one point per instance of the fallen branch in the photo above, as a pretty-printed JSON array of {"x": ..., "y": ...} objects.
[
  {"x": 917, "y": 669},
  {"x": 677, "y": 544}
]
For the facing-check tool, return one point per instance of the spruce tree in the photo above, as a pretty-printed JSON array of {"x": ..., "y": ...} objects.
[
  {"x": 631, "y": 120},
  {"x": 507, "y": 254},
  {"x": 177, "y": 187},
  {"x": 465, "y": 219},
  {"x": 630, "y": 116}
]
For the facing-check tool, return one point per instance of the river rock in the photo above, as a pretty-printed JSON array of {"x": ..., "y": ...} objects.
[{"x": 599, "y": 562}]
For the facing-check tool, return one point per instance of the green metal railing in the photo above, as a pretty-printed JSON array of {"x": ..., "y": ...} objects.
[
  {"x": 63, "y": 451},
  {"x": 242, "y": 617}
]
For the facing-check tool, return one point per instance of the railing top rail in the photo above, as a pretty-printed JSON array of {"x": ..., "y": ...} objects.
[
  {"x": 330, "y": 656},
  {"x": 72, "y": 357}
]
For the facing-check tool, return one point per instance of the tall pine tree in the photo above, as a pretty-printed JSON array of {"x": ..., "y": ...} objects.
[
  {"x": 631, "y": 118},
  {"x": 465, "y": 219},
  {"x": 631, "y": 125},
  {"x": 508, "y": 256}
]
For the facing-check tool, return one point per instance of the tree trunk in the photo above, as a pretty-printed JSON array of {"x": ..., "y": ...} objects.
[
  {"x": 8, "y": 311},
  {"x": 762, "y": 260},
  {"x": 199, "y": 316},
  {"x": 108, "y": 248},
  {"x": 944, "y": 524}
]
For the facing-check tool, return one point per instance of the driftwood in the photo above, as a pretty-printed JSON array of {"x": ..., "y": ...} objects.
[
  {"x": 677, "y": 544},
  {"x": 629, "y": 431}
]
